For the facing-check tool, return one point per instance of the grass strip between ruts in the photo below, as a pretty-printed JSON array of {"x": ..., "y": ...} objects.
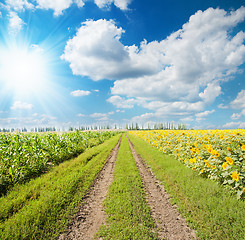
[
  {"x": 208, "y": 207},
  {"x": 128, "y": 215},
  {"x": 42, "y": 208}
]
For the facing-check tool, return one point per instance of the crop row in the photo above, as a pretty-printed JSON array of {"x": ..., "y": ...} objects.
[
  {"x": 24, "y": 156},
  {"x": 216, "y": 154}
]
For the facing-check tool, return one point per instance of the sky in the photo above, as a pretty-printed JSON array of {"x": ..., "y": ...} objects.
[{"x": 115, "y": 62}]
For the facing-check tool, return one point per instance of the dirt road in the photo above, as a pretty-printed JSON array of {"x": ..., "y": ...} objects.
[{"x": 91, "y": 216}]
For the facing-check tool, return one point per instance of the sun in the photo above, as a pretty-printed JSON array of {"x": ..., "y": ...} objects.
[{"x": 23, "y": 69}]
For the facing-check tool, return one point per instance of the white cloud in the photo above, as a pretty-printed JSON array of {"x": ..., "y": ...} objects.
[
  {"x": 201, "y": 55},
  {"x": 81, "y": 115},
  {"x": 96, "y": 51},
  {"x": 35, "y": 120},
  {"x": 212, "y": 91},
  {"x": 195, "y": 56},
  {"x": 98, "y": 115},
  {"x": 232, "y": 125},
  {"x": 239, "y": 102},
  {"x": 179, "y": 75},
  {"x": 187, "y": 119},
  {"x": 120, "y": 111},
  {"x": 80, "y": 93},
  {"x": 120, "y": 102},
  {"x": 58, "y": 6},
  {"x": 80, "y": 3},
  {"x": 222, "y": 106},
  {"x": 21, "y": 105},
  {"x": 235, "y": 116},
  {"x": 204, "y": 114},
  {"x": 18, "y": 5},
  {"x": 36, "y": 48},
  {"x": 103, "y": 3},
  {"x": 122, "y": 4},
  {"x": 143, "y": 118},
  {"x": 101, "y": 116},
  {"x": 15, "y": 23}
]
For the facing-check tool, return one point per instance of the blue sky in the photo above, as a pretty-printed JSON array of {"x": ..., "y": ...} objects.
[{"x": 105, "y": 62}]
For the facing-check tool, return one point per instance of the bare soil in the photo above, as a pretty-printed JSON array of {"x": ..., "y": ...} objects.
[
  {"x": 171, "y": 225},
  {"x": 91, "y": 215}
]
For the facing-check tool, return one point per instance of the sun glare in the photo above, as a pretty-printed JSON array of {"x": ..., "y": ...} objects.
[{"x": 23, "y": 70}]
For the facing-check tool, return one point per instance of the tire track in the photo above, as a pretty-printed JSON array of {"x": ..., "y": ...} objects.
[
  {"x": 91, "y": 215},
  {"x": 171, "y": 225}
]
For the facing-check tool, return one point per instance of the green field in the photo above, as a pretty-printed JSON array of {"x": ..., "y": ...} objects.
[
  {"x": 42, "y": 206},
  {"x": 26, "y": 156}
]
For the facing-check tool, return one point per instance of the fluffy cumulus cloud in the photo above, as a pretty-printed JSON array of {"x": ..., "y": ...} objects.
[
  {"x": 96, "y": 51},
  {"x": 122, "y": 4},
  {"x": 195, "y": 61},
  {"x": 57, "y": 5},
  {"x": 18, "y": 105},
  {"x": 18, "y": 5},
  {"x": 80, "y": 93},
  {"x": 200, "y": 55},
  {"x": 181, "y": 74}
]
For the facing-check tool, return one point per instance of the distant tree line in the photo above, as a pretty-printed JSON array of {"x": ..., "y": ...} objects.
[
  {"x": 54, "y": 129},
  {"x": 157, "y": 126},
  {"x": 132, "y": 126}
]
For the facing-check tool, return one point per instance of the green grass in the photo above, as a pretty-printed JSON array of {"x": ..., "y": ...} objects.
[
  {"x": 128, "y": 215},
  {"x": 43, "y": 207},
  {"x": 209, "y": 208}
]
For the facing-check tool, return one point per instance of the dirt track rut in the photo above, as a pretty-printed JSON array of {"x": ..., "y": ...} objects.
[
  {"x": 91, "y": 215},
  {"x": 170, "y": 224}
]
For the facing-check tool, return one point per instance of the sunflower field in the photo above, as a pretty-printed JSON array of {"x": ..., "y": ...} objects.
[{"x": 216, "y": 154}]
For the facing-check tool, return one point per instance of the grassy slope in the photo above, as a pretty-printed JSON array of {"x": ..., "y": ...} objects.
[
  {"x": 42, "y": 208},
  {"x": 207, "y": 206},
  {"x": 128, "y": 213}
]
